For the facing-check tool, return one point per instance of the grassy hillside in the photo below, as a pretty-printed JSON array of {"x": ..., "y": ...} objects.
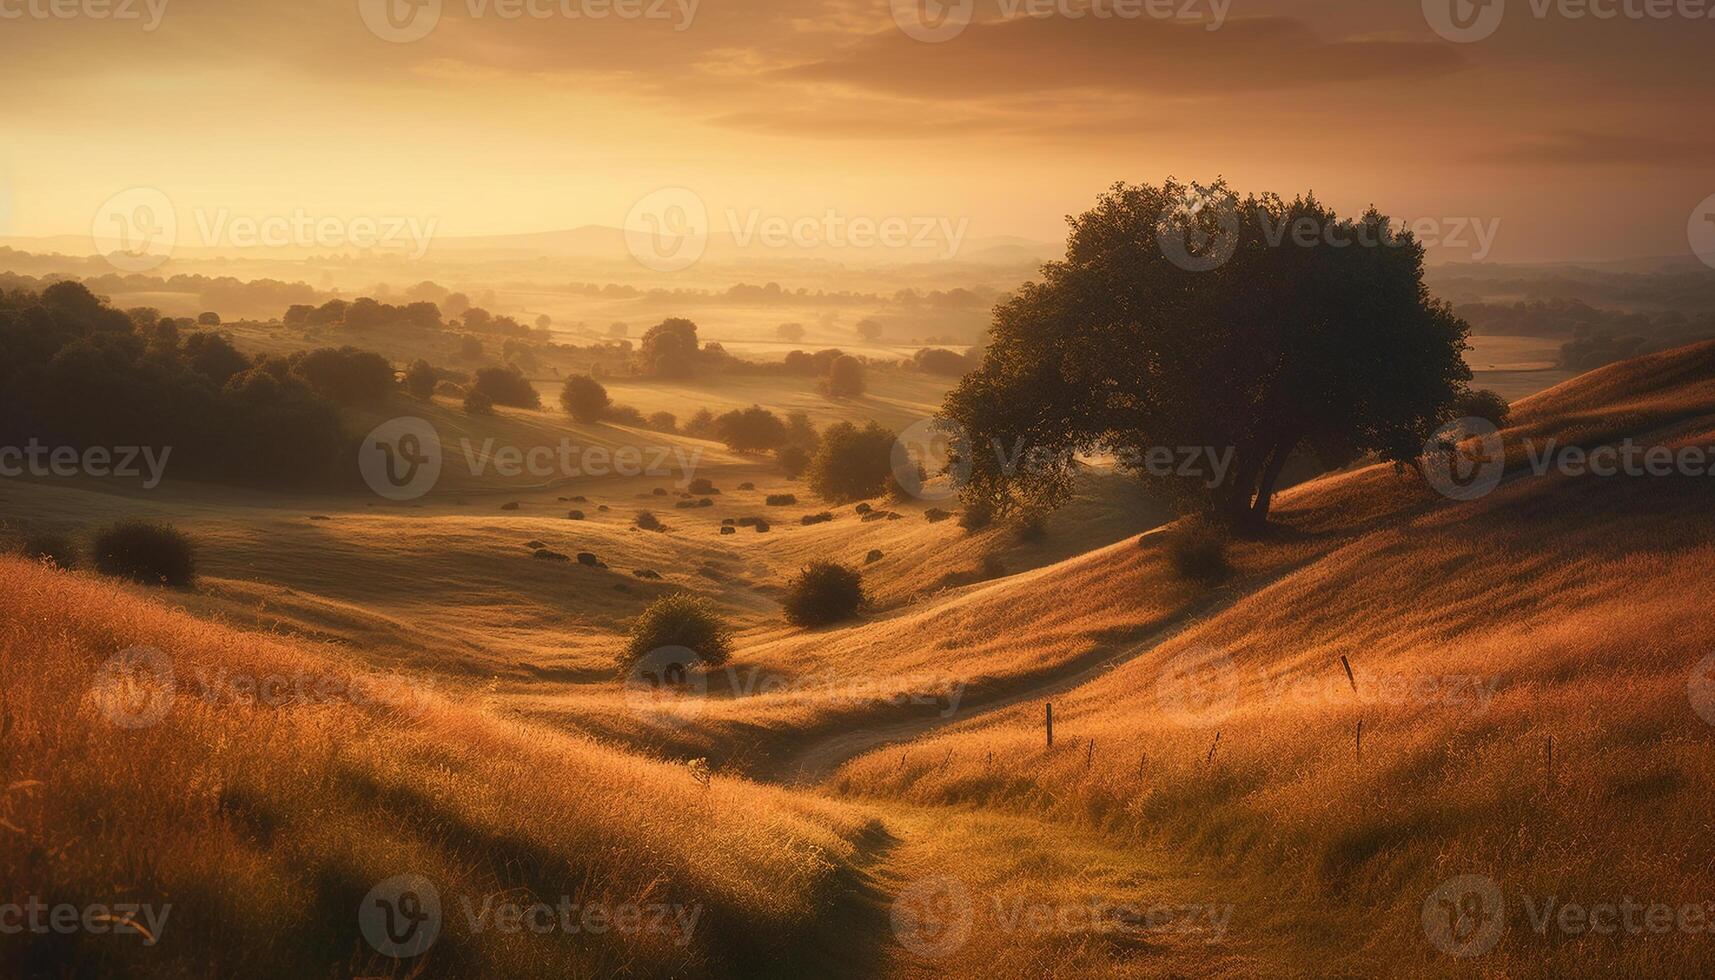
[
  {"x": 1558, "y": 608},
  {"x": 264, "y": 821}
]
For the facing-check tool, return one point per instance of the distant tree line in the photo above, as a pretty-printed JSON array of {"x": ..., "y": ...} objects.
[{"x": 76, "y": 372}]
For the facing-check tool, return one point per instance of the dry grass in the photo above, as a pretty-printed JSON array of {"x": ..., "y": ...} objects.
[
  {"x": 1579, "y": 603},
  {"x": 265, "y": 825}
]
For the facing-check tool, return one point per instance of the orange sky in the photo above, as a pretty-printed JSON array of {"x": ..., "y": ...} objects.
[{"x": 1582, "y": 137}]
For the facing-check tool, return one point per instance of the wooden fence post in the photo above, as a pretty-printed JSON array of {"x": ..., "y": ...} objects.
[{"x": 1048, "y": 721}]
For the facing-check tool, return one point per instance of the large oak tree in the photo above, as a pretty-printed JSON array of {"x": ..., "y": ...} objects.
[{"x": 1186, "y": 317}]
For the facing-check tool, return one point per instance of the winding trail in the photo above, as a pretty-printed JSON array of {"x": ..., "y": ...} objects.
[{"x": 823, "y": 754}]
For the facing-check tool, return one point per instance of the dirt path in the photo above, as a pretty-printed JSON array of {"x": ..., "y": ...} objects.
[{"x": 823, "y": 754}]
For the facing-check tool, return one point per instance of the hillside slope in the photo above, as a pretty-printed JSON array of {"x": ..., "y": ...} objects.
[{"x": 1528, "y": 668}]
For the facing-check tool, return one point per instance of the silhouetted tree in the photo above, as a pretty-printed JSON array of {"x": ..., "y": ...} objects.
[
  {"x": 583, "y": 398},
  {"x": 670, "y": 349},
  {"x": 1268, "y": 342}
]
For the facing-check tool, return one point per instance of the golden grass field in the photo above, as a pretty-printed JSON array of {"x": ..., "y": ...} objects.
[{"x": 1203, "y": 812}]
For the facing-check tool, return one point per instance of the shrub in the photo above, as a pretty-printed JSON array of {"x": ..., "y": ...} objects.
[
  {"x": 507, "y": 386},
  {"x": 976, "y": 515},
  {"x": 822, "y": 518},
  {"x": 143, "y": 551},
  {"x": 625, "y": 415},
  {"x": 1198, "y": 551},
  {"x": 824, "y": 592},
  {"x": 937, "y": 360},
  {"x": 49, "y": 546},
  {"x": 852, "y": 463},
  {"x": 702, "y": 485},
  {"x": 845, "y": 378},
  {"x": 477, "y": 403},
  {"x": 754, "y": 429},
  {"x": 680, "y": 621},
  {"x": 649, "y": 522},
  {"x": 583, "y": 398},
  {"x": 1483, "y": 404},
  {"x": 662, "y": 422},
  {"x": 780, "y": 500},
  {"x": 420, "y": 379}
]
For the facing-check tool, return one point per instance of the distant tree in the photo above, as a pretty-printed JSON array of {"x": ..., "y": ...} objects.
[
  {"x": 209, "y": 319},
  {"x": 793, "y": 460},
  {"x": 470, "y": 348},
  {"x": 852, "y": 463},
  {"x": 583, "y": 399},
  {"x": 214, "y": 357},
  {"x": 790, "y": 332},
  {"x": 800, "y": 431},
  {"x": 455, "y": 304},
  {"x": 347, "y": 375},
  {"x": 935, "y": 360},
  {"x": 506, "y": 386},
  {"x": 618, "y": 331},
  {"x": 420, "y": 379},
  {"x": 1482, "y": 404},
  {"x": 670, "y": 349},
  {"x": 544, "y": 321},
  {"x": 663, "y": 421},
  {"x": 754, "y": 429},
  {"x": 701, "y": 424},
  {"x": 478, "y": 403},
  {"x": 1261, "y": 344},
  {"x": 845, "y": 378},
  {"x": 869, "y": 331}
]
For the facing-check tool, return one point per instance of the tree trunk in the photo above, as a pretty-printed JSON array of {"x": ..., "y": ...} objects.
[{"x": 1258, "y": 517}]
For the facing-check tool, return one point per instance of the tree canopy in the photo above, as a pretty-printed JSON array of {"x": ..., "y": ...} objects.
[{"x": 1186, "y": 317}]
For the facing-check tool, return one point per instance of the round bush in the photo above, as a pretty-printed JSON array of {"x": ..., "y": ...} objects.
[
  {"x": 824, "y": 592},
  {"x": 144, "y": 552},
  {"x": 1198, "y": 551},
  {"x": 680, "y": 621}
]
